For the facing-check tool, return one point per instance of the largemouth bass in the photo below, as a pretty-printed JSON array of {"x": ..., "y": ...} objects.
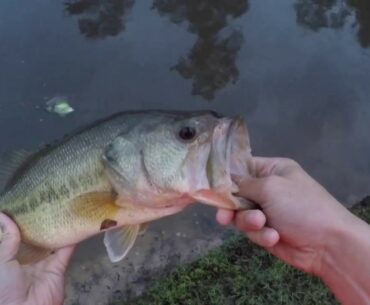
[{"x": 121, "y": 173}]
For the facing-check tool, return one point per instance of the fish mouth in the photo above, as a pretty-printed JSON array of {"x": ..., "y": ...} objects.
[
  {"x": 239, "y": 152},
  {"x": 230, "y": 156}
]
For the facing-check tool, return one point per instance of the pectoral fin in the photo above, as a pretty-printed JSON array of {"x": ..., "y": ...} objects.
[
  {"x": 28, "y": 254},
  {"x": 119, "y": 242}
]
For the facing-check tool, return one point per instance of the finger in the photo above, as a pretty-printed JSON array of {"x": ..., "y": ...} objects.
[
  {"x": 224, "y": 217},
  {"x": 9, "y": 239},
  {"x": 251, "y": 220},
  {"x": 253, "y": 189},
  {"x": 266, "y": 237},
  {"x": 60, "y": 259}
]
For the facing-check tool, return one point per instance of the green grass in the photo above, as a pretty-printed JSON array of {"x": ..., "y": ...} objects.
[{"x": 241, "y": 273}]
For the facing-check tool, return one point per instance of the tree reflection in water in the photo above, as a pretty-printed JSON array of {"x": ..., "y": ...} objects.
[
  {"x": 100, "y": 18},
  {"x": 211, "y": 61},
  {"x": 318, "y": 14}
]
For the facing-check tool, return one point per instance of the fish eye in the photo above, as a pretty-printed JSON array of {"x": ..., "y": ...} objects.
[{"x": 187, "y": 133}]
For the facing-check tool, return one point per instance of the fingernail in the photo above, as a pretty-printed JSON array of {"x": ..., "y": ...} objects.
[{"x": 272, "y": 238}]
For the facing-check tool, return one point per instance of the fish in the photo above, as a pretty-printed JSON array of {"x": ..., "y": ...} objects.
[{"x": 121, "y": 173}]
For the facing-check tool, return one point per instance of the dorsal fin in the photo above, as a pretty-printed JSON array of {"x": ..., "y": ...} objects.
[{"x": 9, "y": 165}]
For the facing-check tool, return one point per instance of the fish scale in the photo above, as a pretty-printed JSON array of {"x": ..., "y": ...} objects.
[
  {"x": 43, "y": 190},
  {"x": 63, "y": 194}
]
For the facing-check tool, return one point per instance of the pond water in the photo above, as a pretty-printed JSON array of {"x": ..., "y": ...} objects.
[{"x": 297, "y": 70}]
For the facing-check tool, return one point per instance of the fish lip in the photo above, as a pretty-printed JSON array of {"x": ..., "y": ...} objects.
[
  {"x": 218, "y": 156},
  {"x": 237, "y": 141},
  {"x": 240, "y": 163},
  {"x": 227, "y": 153},
  {"x": 234, "y": 129}
]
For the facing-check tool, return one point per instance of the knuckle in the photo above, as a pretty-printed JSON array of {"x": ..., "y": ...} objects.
[
  {"x": 286, "y": 166},
  {"x": 290, "y": 162}
]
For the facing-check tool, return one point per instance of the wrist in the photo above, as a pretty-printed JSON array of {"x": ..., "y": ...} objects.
[
  {"x": 343, "y": 266},
  {"x": 331, "y": 235},
  {"x": 336, "y": 238}
]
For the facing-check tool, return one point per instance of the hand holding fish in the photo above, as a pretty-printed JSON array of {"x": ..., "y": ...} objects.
[
  {"x": 41, "y": 283},
  {"x": 302, "y": 224}
]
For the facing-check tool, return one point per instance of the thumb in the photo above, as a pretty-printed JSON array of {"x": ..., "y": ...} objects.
[
  {"x": 58, "y": 262},
  {"x": 9, "y": 239},
  {"x": 253, "y": 189}
]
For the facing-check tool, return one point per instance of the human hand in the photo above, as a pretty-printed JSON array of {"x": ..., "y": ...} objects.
[
  {"x": 297, "y": 217},
  {"x": 35, "y": 284}
]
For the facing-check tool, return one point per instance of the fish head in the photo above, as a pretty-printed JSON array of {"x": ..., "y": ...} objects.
[{"x": 180, "y": 158}]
